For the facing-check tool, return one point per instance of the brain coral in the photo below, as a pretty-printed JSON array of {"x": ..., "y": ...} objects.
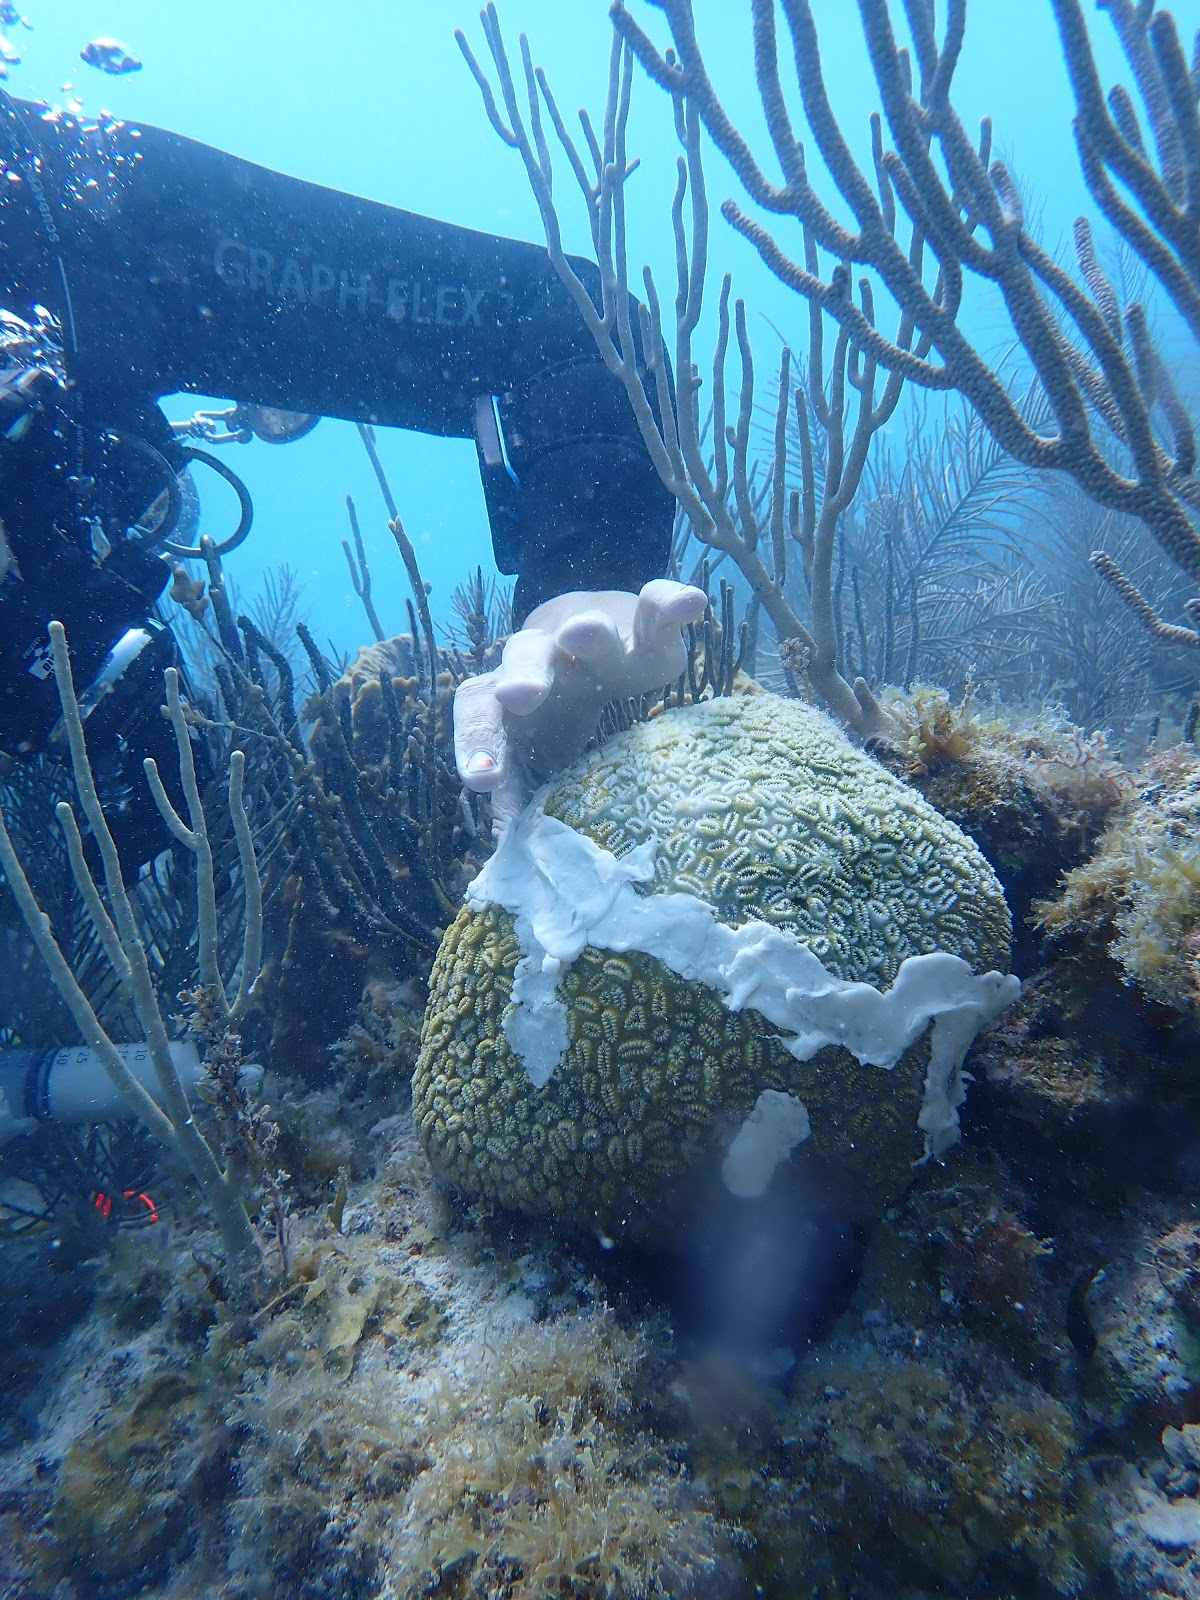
[{"x": 696, "y": 952}]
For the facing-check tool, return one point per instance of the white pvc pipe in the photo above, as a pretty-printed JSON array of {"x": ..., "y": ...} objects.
[{"x": 70, "y": 1087}]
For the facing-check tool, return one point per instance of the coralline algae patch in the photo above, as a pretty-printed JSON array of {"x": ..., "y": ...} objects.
[{"x": 667, "y": 975}]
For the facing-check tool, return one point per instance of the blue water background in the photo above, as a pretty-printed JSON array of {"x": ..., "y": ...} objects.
[{"x": 372, "y": 97}]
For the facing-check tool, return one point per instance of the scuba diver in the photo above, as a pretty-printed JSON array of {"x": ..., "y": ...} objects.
[{"x": 138, "y": 264}]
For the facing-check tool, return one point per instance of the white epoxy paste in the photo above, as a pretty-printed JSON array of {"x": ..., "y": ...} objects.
[{"x": 565, "y": 892}]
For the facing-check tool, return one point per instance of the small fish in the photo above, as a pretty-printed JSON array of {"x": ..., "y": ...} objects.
[
  {"x": 110, "y": 56},
  {"x": 10, "y": 56}
]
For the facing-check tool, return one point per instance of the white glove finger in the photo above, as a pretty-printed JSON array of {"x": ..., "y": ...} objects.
[
  {"x": 480, "y": 741},
  {"x": 591, "y": 637},
  {"x": 526, "y": 673},
  {"x": 664, "y": 605}
]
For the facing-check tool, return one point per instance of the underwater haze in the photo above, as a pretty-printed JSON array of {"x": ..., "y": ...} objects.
[
  {"x": 380, "y": 104},
  {"x": 600, "y": 800}
]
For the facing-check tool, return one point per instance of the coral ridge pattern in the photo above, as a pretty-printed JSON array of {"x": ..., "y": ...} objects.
[{"x": 727, "y": 900}]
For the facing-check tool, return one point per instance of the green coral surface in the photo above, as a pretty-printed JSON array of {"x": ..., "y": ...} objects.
[{"x": 761, "y": 808}]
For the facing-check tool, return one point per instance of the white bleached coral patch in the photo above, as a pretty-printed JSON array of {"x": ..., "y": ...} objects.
[{"x": 565, "y": 892}]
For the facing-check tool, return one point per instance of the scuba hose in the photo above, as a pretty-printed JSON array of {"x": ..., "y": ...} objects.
[{"x": 85, "y": 486}]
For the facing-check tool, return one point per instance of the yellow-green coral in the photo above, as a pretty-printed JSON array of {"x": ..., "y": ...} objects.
[
  {"x": 762, "y": 807},
  {"x": 656, "y": 1069},
  {"x": 763, "y": 810}
]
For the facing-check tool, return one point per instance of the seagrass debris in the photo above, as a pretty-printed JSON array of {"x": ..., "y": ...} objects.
[
  {"x": 716, "y": 500},
  {"x": 1098, "y": 365},
  {"x": 171, "y": 1123}
]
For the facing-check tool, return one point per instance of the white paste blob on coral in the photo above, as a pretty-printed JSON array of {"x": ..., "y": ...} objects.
[
  {"x": 566, "y": 892},
  {"x": 778, "y": 1123}
]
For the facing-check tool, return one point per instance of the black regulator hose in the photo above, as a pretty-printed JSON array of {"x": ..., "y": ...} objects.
[
  {"x": 246, "y": 507},
  {"x": 174, "y": 508}
]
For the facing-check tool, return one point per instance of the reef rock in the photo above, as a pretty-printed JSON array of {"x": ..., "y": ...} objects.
[
  {"x": 1133, "y": 909},
  {"x": 958, "y": 1476},
  {"x": 717, "y": 940},
  {"x": 128, "y": 1489}
]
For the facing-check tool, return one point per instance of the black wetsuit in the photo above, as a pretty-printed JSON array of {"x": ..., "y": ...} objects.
[{"x": 174, "y": 267}]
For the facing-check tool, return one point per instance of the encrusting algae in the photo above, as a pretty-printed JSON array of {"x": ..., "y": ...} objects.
[{"x": 1137, "y": 898}]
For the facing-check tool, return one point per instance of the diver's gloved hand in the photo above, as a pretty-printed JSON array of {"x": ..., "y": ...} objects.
[{"x": 516, "y": 726}]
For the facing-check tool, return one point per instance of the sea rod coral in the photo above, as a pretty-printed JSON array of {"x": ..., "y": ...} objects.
[{"x": 168, "y": 1115}]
